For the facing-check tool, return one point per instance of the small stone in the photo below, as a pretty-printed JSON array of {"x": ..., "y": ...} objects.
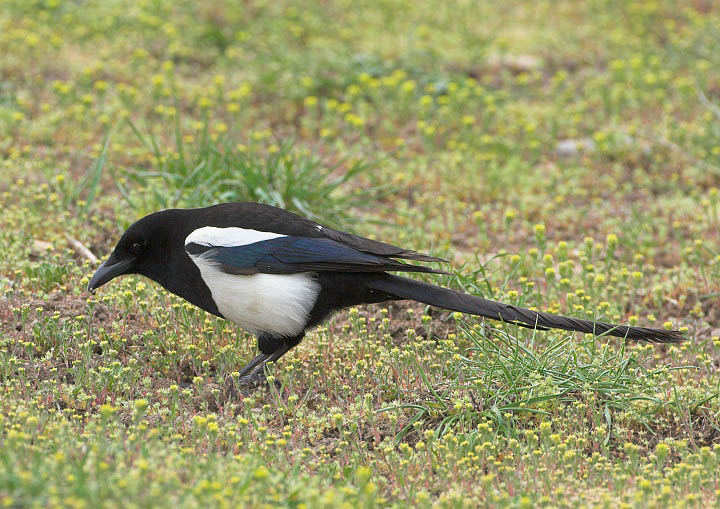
[
  {"x": 515, "y": 63},
  {"x": 573, "y": 147},
  {"x": 41, "y": 246}
]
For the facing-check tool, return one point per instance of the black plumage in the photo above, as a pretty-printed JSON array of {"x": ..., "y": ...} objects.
[
  {"x": 290, "y": 255},
  {"x": 206, "y": 255}
]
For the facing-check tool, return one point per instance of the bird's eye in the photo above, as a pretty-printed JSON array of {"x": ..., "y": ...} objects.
[{"x": 135, "y": 248}]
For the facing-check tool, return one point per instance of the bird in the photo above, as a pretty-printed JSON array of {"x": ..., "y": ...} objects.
[{"x": 277, "y": 274}]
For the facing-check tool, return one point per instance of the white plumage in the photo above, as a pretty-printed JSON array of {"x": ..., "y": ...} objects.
[
  {"x": 228, "y": 237},
  {"x": 278, "y": 304}
]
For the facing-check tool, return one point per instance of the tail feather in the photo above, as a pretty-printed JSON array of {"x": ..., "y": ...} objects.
[{"x": 437, "y": 296}]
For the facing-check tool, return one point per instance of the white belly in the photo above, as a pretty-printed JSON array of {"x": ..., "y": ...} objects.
[{"x": 277, "y": 304}]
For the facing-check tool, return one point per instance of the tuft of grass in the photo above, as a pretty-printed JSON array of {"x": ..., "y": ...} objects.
[{"x": 197, "y": 171}]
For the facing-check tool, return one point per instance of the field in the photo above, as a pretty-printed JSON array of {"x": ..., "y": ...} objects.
[{"x": 563, "y": 155}]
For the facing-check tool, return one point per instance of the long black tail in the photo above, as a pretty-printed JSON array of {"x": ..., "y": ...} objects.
[{"x": 437, "y": 296}]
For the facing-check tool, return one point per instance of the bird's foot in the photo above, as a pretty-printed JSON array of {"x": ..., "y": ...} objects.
[
  {"x": 252, "y": 376},
  {"x": 247, "y": 384},
  {"x": 254, "y": 379}
]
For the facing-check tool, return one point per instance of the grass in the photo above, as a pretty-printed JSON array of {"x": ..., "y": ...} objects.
[
  {"x": 564, "y": 155},
  {"x": 211, "y": 169}
]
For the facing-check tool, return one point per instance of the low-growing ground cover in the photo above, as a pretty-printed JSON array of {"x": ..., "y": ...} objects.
[{"x": 564, "y": 155}]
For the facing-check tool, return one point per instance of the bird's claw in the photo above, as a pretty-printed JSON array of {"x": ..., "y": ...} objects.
[{"x": 249, "y": 383}]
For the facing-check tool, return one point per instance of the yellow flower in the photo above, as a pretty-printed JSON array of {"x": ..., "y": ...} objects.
[
  {"x": 408, "y": 86},
  {"x": 106, "y": 411},
  {"x": 240, "y": 92},
  {"x": 354, "y": 120}
]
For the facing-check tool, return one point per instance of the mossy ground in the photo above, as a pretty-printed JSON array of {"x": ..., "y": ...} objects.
[{"x": 563, "y": 154}]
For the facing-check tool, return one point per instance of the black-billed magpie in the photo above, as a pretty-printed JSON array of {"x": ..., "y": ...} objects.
[{"x": 277, "y": 274}]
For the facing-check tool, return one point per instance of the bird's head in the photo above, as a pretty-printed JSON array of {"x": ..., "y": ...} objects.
[{"x": 145, "y": 248}]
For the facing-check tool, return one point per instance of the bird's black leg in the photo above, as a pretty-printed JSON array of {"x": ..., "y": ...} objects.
[
  {"x": 267, "y": 345},
  {"x": 271, "y": 349},
  {"x": 259, "y": 360}
]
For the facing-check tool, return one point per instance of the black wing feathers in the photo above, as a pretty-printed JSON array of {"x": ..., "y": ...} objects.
[
  {"x": 258, "y": 216},
  {"x": 376, "y": 247},
  {"x": 290, "y": 255}
]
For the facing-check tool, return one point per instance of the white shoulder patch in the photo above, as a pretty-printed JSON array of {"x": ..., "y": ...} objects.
[{"x": 228, "y": 237}]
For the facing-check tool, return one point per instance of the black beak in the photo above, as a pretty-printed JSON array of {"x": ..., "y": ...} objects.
[{"x": 112, "y": 268}]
